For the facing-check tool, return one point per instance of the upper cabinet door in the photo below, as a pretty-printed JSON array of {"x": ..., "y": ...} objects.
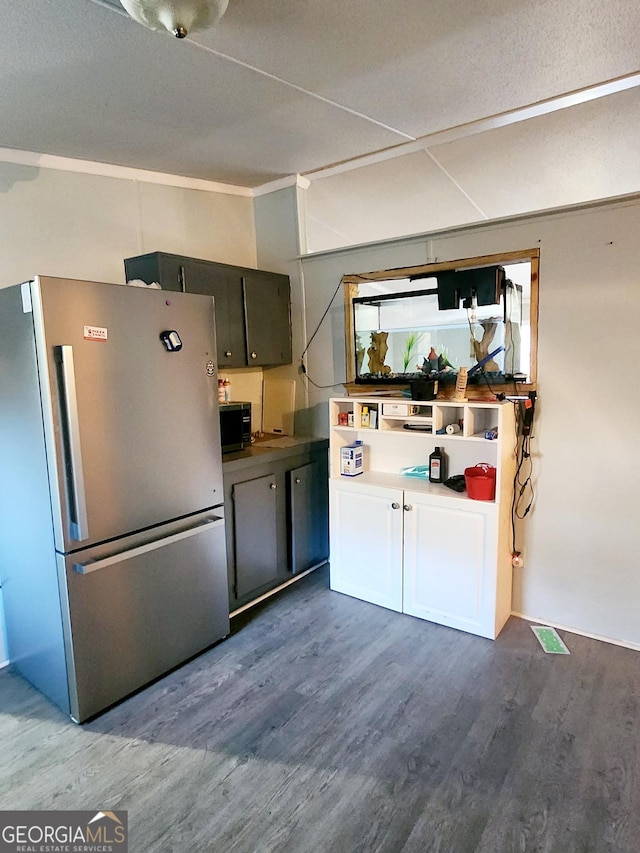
[
  {"x": 253, "y": 309},
  {"x": 225, "y": 285},
  {"x": 267, "y": 308}
]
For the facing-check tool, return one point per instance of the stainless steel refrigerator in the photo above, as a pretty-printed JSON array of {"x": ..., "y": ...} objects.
[{"x": 112, "y": 549}]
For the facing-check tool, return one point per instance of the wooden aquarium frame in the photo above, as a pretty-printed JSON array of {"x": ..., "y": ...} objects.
[{"x": 353, "y": 280}]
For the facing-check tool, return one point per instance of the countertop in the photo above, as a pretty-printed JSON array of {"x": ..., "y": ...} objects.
[{"x": 271, "y": 448}]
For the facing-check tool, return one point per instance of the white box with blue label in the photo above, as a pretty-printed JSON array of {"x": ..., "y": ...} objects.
[{"x": 352, "y": 459}]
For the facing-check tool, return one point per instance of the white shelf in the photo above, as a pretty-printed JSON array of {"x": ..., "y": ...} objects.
[
  {"x": 414, "y": 419},
  {"x": 413, "y": 484}
]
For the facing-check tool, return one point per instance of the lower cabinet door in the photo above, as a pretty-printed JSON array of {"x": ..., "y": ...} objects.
[
  {"x": 449, "y": 563},
  {"x": 307, "y": 517},
  {"x": 366, "y": 542},
  {"x": 255, "y": 533}
]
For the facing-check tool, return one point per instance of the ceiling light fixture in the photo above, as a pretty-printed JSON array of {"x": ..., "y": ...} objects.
[{"x": 178, "y": 17}]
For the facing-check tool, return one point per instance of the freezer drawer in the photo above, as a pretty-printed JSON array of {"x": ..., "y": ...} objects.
[{"x": 137, "y": 610}]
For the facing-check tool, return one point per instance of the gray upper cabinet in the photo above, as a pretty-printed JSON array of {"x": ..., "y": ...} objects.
[
  {"x": 224, "y": 284},
  {"x": 253, "y": 311},
  {"x": 267, "y": 317}
]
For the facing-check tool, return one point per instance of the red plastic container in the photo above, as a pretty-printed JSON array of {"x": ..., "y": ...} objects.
[{"x": 481, "y": 482}]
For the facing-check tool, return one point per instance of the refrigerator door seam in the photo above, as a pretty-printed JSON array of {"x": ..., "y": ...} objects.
[{"x": 46, "y": 399}]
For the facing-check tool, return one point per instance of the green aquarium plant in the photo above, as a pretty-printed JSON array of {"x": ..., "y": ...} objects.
[{"x": 411, "y": 344}]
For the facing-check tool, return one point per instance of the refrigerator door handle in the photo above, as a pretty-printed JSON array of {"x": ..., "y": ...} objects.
[
  {"x": 96, "y": 565},
  {"x": 79, "y": 526}
]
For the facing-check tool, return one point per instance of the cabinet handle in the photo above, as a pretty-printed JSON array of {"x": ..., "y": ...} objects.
[
  {"x": 254, "y": 355},
  {"x": 273, "y": 486},
  {"x": 181, "y": 280},
  {"x": 407, "y": 507},
  {"x": 395, "y": 505},
  {"x": 228, "y": 353},
  {"x": 298, "y": 480}
]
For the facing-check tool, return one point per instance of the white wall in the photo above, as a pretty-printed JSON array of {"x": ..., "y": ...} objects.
[
  {"x": 580, "y": 538},
  {"x": 278, "y": 217},
  {"x": 585, "y": 152},
  {"x": 76, "y": 225},
  {"x": 83, "y": 226}
]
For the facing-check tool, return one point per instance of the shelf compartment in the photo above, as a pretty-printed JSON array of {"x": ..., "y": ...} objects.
[
  {"x": 480, "y": 419},
  {"x": 408, "y": 425},
  {"x": 446, "y": 415},
  {"x": 366, "y": 415},
  {"x": 342, "y": 414}
]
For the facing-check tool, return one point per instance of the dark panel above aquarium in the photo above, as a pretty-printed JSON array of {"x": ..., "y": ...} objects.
[{"x": 485, "y": 284}]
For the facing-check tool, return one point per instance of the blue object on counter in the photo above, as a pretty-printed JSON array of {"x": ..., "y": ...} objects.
[{"x": 420, "y": 471}]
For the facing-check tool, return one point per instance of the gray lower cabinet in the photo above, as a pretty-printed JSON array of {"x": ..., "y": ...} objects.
[
  {"x": 277, "y": 521},
  {"x": 308, "y": 536},
  {"x": 253, "y": 307},
  {"x": 255, "y": 533}
]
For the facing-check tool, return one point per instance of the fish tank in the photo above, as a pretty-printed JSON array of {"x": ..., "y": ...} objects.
[{"x": 430, "y": 327}]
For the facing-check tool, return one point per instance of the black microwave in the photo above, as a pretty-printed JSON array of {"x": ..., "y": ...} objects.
[{"x": 235, "y": 426}]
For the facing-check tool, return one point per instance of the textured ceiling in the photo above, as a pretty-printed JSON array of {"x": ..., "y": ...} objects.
[{"x": 292, "y": 86}]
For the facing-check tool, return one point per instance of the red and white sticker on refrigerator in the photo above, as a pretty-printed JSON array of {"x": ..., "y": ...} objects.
[{"x": 95, "y": 333}]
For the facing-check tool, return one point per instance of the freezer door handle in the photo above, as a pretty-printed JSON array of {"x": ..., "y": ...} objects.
[
  {"x": 79, "y": 525},
  {"x": 96, "y": 565}
]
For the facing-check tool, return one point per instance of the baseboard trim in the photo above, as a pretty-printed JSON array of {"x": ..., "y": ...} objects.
[
  {"x": 276, "y": 589},
  {"x": 626, "y": 645},
  {"x": 4, "y": 663}
]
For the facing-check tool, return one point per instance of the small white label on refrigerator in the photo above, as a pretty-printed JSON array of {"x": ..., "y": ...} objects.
[{"x": 95, "y": 333}]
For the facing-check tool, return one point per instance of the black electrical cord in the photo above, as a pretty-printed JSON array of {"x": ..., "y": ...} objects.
[
  {"x": 483, "y": 373},
  {"x": 315, "y": 384},
  {"x": 335, "y": 293},
  {"x": 304, "y": 351},
  {"x": 522, "y": 479},
  {"x": 526, "y": 491}
]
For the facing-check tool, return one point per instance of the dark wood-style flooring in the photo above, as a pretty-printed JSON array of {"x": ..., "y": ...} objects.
[{"x": 327, "y": 724}]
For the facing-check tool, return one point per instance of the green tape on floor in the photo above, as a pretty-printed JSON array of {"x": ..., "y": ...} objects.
[{"x": 550, "y": 640}]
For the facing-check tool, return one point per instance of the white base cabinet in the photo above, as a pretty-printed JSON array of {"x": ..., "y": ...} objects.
[{"x": 416, "y": 547}]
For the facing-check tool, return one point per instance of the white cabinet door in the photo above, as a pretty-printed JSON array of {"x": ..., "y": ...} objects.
[
  {"x": 366, "y": 542},
  {"x": 449, "y": 562}
]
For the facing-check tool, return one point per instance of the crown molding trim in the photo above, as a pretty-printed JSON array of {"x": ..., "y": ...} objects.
[
  {"x": 126, "y": 173},
  {"x": 425, "y": 143},
  {"x": 281, "y": 184}
]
